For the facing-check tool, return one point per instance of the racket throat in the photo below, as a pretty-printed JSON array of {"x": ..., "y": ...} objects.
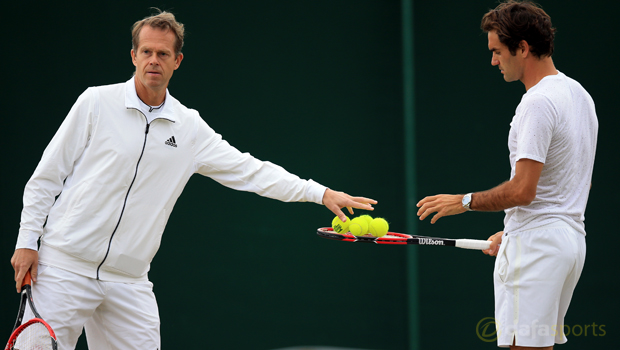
[{"x": 22, "y": 308}]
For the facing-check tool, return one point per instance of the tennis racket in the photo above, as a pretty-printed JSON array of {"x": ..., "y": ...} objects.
[
  {"x": 34, "y": 334},
  {"x": 401, "y": 238}
]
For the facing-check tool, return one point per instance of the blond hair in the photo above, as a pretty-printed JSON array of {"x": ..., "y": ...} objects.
[{"x": 164, "y": 21}]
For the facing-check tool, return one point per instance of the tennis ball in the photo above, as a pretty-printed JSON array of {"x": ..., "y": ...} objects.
[
  {"x": 339, "y": 226},
  {"x": 378, "y": 227},
  {"x": 368, "y": 219},
  {"x": 358, "y": 226}
]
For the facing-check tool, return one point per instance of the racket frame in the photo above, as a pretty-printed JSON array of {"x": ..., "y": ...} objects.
[
  {"x": 18, "y": 328},
  {"x": 403, "y": 239},
  {"x": 21, "y": 328}
]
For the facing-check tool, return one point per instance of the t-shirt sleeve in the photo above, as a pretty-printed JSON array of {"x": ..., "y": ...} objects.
[{"x": 536, "y": 128}]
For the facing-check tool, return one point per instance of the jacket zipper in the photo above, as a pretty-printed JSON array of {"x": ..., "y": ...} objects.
[{"x": 146, "y": 133}]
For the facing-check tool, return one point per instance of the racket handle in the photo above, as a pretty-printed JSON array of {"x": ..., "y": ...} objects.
[
  {"x": 473, "y": 244},
  {"x": 27, "y": 279}
]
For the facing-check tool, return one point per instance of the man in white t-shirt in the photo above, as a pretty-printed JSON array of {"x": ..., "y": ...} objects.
[{"x": 552, "y": 142}]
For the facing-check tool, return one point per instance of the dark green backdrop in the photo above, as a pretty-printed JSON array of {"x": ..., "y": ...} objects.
[{"x": 317, "y": 87}]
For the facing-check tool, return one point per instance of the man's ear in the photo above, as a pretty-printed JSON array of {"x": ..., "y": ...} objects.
[
  {"x": 133, "y": 58},
  {"x": 525, "y": 48},
  {"x": 178, "y": 60}
]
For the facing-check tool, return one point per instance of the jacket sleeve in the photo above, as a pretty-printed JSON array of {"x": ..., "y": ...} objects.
[
  {"x": 217, "y": 159},
  {"x": 55, "y": 165}
]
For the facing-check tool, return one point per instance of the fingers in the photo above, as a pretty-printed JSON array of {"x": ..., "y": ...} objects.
[
  {"x": 352, "y": 203},
  {"x": 436, "y": 217},
  {"x": 334, "y": 201},
  {"x": 20, "y": 274},
  {"x": 492, "y": 251},
  {"x": 496, "y": 240},
  {"x": 22, "y": 261},
  {"x": 427, "y": 206},
  {"x": 358, "y": 203},
  {"x": 33, "y": 272},
  {"x": 443, "y": 205},
  {"x": 336, "y": 209},
  {"x": 340, "y": 214},
  {"x": 429, "y": 211},
  {"x": 363, "y": 200}
]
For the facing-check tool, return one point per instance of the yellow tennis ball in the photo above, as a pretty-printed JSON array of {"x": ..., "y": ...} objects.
[
  {"x": 368, "y": 218},
  {"x": 358, "y": 226},
  {"x": 378, "y": 227},
  {"x": 339, "y": 226}
]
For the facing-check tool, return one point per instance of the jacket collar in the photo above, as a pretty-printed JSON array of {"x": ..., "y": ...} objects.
[{"x": 133, "y": 101}]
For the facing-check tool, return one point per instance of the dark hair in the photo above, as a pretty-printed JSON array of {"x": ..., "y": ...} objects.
[
  {"x": 164, "y": 21},
  {"x": 515, "y": 21}
]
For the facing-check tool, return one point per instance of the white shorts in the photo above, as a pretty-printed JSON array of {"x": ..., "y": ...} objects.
[
  {"x": 536, "y": 272},
  {"x": 114, "y": 315}
]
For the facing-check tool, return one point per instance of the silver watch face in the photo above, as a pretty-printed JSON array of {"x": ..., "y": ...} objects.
[{"x": 466, "y": 200}]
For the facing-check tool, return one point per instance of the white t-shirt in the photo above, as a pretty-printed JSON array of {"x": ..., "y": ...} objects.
[
  {"x": 151, "y": 112},
  {"x": 554, "y": 124}
]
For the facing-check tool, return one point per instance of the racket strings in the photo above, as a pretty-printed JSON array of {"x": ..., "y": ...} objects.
[{"x": 34, "y": 337}]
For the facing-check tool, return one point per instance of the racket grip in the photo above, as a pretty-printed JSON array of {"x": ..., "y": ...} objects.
[
  {"x": 473, "y": 244},
  {"x": 27, "y": 279}
]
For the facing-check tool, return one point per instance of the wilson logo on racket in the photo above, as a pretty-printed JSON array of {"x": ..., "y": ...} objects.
[{"x": 430, "y": 241}]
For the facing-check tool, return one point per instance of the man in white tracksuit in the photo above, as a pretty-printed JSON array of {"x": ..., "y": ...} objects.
[
  {"x": 552, "y": 143},
  {"x": 118, "y": 163}
]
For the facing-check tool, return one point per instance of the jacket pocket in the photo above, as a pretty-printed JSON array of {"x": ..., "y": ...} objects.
[
  {"x": 134, "y": 247},
  {"x": 67, "y": 207}
]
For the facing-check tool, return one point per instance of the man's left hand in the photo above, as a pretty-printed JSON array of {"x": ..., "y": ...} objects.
[
  {"x": 442, "y": 204},
  {"x": 335, "y": 201}
]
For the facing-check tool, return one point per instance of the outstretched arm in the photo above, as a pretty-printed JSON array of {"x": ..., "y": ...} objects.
[
  {"x": 335, "y": 201},
  {"x": 519, "y": 191}
]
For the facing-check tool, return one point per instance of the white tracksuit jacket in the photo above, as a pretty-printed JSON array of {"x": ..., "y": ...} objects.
[{"x": 119, "y": 177}]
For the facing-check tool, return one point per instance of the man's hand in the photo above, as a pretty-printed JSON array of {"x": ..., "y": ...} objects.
[
  {"x": 496, "y": 240},
  {"x": 22, "y": 261},
  {"x": 442, "y": 204},
  {"x": 335, "y": 201}
]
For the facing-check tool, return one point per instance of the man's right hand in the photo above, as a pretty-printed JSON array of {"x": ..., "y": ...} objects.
[
  {"x": 23, "y": 260},
  {"x": 496, "y": 240}
]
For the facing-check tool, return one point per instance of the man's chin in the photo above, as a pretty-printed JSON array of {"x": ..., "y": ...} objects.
[
  {"x": 509, "y": 79},
  {"x": 154, "y": 83}
]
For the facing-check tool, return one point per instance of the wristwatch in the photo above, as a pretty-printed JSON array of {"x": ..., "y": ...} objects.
[{"x": 467, "y": 201}]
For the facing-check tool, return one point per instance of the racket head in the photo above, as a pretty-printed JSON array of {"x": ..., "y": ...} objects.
[
  {"x": 389, "y": 238},
  {"x": 34, "y": 334}
]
